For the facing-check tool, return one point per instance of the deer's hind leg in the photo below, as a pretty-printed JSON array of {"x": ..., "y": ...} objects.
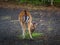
[
  {"x": 29, "y": 25},
  {"x": 23, "y": 30}
]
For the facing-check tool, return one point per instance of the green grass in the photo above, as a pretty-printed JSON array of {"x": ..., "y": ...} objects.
[{"x": 34, "y": 35}]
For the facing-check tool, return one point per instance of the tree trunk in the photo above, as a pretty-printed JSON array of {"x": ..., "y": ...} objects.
[{"x": 52, "y": 2}]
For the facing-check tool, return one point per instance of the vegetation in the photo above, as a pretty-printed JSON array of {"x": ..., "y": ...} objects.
[
  {"x": 34, "y": 35},
  {"x": 36, "y": 2}
]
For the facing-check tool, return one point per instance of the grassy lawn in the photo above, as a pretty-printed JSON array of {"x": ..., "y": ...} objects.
[{"x": 34, "y": 35}]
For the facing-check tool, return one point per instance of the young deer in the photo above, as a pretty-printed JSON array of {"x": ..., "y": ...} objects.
[{"x": 25, "y": 19}]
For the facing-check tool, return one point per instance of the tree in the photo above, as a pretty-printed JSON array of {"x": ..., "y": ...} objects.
[{"x": 52, "y": 2}]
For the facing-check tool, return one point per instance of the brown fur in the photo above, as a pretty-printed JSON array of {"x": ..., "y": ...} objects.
[
  {"x": 23, "y": 24},
  {"x": 31, "y": 26}
]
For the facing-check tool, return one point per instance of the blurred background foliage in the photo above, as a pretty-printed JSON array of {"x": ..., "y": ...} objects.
[{"x": 36, "y": 2}]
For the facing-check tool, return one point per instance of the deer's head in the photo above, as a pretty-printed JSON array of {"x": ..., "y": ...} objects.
[{"x": 33, "y": 27}]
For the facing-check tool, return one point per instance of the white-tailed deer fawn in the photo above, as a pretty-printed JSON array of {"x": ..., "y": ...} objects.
[{"x": 25, "y": 19}]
